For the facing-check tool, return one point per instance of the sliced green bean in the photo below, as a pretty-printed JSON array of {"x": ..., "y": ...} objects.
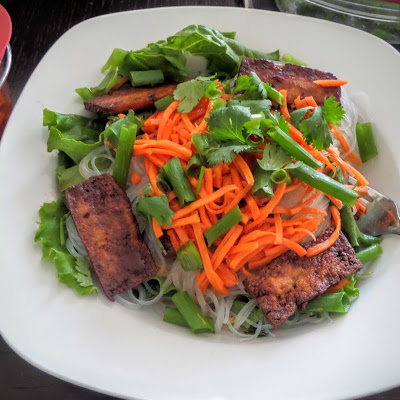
[
  {"x": 366, "y": 141},
  {"x": 325, "y": 184},
  {"x": 189, "y": 257},
  {"x": 192, "y": 314},
  {"x": 124, "y": 154},
  {"x": 223, "y": 225},
  {"x": 289, "y": 145},
  {"x": 369, "y": 253}
]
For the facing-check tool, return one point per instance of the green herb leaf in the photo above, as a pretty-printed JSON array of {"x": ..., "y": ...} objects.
[
  {"x": 225, "y": 153},
  {"x": 190, "y": 93},
  {"x": 332, "y": 111},
  {"x": 156, "y": 207},
  {"x": 227, "y": 123},
  {"x": 274, "y": 158},
  {"x": 316, "y": 130}
]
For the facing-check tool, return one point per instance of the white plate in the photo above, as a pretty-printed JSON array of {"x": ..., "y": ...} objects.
[{"x": 103, "y": 346}]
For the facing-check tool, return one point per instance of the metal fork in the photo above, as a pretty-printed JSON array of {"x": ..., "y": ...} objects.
[{"x": 381, "y": 215}]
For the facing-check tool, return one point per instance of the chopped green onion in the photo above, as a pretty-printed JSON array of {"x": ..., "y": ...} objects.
[
  {"x": 162, "y": 182},
  {"x": 192, "y": 314},
  {"x": 223, "y": 225},
  {"x": 113, "y": 130},
  {"x": 173, "y": 316},
  {"x": 263, "y": 186},
  {"x": 178, "y": 181},
  {"x": 124, "y": 154},
  {"x": 289, "y": 145},
  {"x": 273, "y": 94},
  {"x": 280, "y": 176},
  {"x": 324, "y": 183},
  {"x": 202, "y": 142},
  {"x": 201, "y": 176},
  {"x": 194, "y": 166},
  {"x": 369, "y": 253},
  {"x": 348, "y": 223},
  {"x": 366, "y": 142},
  {"x": 189, "y": 257},
  {"x": 163, "y": 103},
  {"x": 150, "y": 77}
]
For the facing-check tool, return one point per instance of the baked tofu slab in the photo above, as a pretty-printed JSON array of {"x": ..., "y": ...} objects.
[{"x": 104, "y": 220}]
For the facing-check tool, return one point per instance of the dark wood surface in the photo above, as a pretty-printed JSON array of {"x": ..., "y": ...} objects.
[{"x": 37, "y": 24}]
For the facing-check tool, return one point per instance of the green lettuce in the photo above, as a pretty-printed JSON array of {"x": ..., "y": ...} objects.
[
  {"x": 223, "y": 53},
  {"x": 75, "y": 273},
  {"x": 338, "y": 302}
]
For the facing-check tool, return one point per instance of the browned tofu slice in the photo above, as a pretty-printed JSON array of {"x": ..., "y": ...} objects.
[
  {"x": 103, "y": 218},
  {"x": 297, "y": 80},
  {"x": 289, "y": 282},
  {"x": 123, "y": 100}
]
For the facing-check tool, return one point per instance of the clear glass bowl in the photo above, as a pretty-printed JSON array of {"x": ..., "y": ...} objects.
[
  {"x": 381, "y": 18},
  {"x": 5, "y": 100}
]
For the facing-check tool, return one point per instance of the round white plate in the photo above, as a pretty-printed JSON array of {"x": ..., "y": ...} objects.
[{"x": 103, "y": 346}]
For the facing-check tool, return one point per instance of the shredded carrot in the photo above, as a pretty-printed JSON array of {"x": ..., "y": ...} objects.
[
  {"x": 284, "y": 108},
  {"x": 345, "y": 146},
  {"x": 212, "y": 276},
  {"x": 244, "y": 247},
  {"x": 193, "y": 219},
  {"x": 342, "y": 283},
  {"x": 152, "y": 174},
  {"x": 360, "y": 207},
  {"x": 203, "y": 201},
  {"x": 278, "y": 229},
  {"x": 244, "y": 169},
  {"x": 120, "y": 83},
  {"x": 352, "y": 171},
  {"x": 166, "y": 114},
  {"x": 157, "y": 229},
  {"x": 319, "y": 248},
  {"x": 330, "y": 82},
  {"x": 136, "y": 178},
  {"x": 335, "y": 201},
  {"x": 310, "y": 101},
  {"x": 217, "y": 171},
  {"x": 182, "y": 234},
  {"x": 174, "y": 239}
]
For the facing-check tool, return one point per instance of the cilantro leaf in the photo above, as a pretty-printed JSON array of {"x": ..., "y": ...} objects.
[
  {"x": 332, "y": 111},
  {"x": 191, "y": 92},
  {"x": 297, "y": 116},
  {"x": 253, "y": 87},
  {"x": 156, "y": 207},
  {"x": 274, "y": 158},
  {"x": 225, "y": 153},
  {"x": 316, "y": 131},
  {"x": 227, "y": 123}
]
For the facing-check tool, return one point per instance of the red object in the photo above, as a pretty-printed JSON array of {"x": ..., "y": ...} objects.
[{"x": 5, "y": 30}]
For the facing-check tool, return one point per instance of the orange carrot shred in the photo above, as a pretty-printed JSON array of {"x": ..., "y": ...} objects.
[
  {"x": 136, "y": 178},
  {"x": 330, "y": 82},
  {"x": 342, "y": 283}
]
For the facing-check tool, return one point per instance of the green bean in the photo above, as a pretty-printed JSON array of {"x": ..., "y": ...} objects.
[
  {"x": 189, "y": 257},
  {"x": 366, "y": 141},
  {"x": 163, "y": 103},
  {"x": 192, "y": 314},
  {"x": 150, "y": 77},
  {"x": 289, "y": 145},
  {"x": 178, "y": 181},
  {"x": 223, "y": 225},
  {"x": 124, "y": 154},
  {"x": 325, "y": 184},
  {"x": 369, "y": 253}
]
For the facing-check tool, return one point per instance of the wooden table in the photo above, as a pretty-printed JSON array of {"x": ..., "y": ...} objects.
[{"x": 37, "y": 24}]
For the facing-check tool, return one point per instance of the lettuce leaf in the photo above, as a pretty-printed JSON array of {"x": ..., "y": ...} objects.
[
  {"x": 74, "y": 273},
  {"x": 338, "y": 302},
  {"x": 223, "y": 53}
]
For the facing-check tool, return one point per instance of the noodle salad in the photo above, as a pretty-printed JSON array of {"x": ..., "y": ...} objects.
[{"x": 225, "y": 175}]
